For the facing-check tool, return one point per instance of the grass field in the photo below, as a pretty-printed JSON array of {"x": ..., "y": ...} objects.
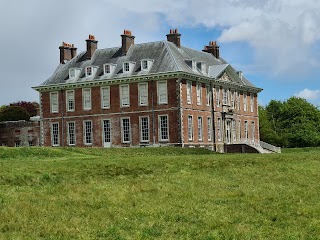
[{"x": 158, "y": 193}]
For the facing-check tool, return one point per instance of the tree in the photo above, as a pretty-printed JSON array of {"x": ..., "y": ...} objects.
[
  {"x": 292, "y": 123},
  {"x": 31, "y": 107},
  {"x": 14, "y": 113}
]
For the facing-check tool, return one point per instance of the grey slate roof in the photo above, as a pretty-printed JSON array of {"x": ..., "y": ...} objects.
[{"x": 166, "y": 55}]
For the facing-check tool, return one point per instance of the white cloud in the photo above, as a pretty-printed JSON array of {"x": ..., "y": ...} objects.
[
  {"x": 282, "y": 33},
  {"x": 309, "y": 94}
]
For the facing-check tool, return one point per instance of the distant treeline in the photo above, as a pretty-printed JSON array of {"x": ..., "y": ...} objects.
[{"x": 291, "y": 123}]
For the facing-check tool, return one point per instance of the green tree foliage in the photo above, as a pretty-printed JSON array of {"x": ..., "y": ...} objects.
[
  {"x": 292, "y": 123},
  {"x": 13, "y": 113},
  {"x": 31, "y": 107}
]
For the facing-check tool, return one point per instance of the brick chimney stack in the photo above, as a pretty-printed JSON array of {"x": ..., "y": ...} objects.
[
  {"x": 212, "y": 48},
  {"x": 127, "y": 41},
  {"x": 174, "y": 36},
  {"x": 67, "y": 52},
  {"x": 92, "y": 45}
]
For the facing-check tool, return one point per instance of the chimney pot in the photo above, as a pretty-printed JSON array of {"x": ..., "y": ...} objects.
[
  {"x": 127, "y": 41},
  {"x": 174, "y": 37},
  {"x": 67, "y": 52},
  {"x": 212, "y": 48}
]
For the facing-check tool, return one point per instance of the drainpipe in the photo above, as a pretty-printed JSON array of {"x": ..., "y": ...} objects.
[{"x": 181, "y": 113}]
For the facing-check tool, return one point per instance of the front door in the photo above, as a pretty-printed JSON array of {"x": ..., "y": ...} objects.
[{"x": 106, "y": 133}]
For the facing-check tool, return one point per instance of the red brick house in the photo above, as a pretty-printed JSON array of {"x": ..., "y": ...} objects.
[{"x": 148, "y": 94}]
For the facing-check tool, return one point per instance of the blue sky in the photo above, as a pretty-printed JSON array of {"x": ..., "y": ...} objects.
[{"x": 274, "y": 42}]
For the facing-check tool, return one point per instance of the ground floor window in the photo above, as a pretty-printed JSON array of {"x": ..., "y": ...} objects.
[
  {"x": 55, "y": 134},
  {"x": 87, "y": 132},
  {"x": 144, "y": 129},
  {"x": 219, "y": 130},
  {"x": 163, "y": 128},
  {"x": 190, "y": 128},
  {"x": 125, "y": 130},
  {"x": 209, "y": 128},
  {"x": 71, "y": 134},
  {"x": 200, "y": 135}
]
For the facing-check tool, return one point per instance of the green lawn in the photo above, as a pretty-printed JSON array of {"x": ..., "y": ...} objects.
[{"x": 158, "y": 193}]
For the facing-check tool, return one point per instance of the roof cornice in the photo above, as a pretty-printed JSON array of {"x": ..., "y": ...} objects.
[{"x": 149, "y": 77}]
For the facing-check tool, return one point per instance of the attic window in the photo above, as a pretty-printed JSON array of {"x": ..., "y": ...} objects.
[
  {"x": 74, "y": 73},
  {"x": 146, "y": 64},
  {"x": 202, "y": 67},
  {"x": 88, "y": 71},
  {"x": 192, "y": 64},
  {"x": 108, "y": 68},
  {"x": 128, "y": 66}
]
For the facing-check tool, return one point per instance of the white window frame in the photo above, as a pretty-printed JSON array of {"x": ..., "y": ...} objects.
[
  {"x": 146, "y": 64},
  {"x": 86, "y": 103},
  {"x": 239, "y": 130},
  {"x": 162, "y": 94},
  {"x": 246, "y": 133},
  {"x": 224, "y": 96},
  {"x": 190, "y": 128},
  {"x": 105, "y": 97},
  {"x": 70, "y": 103},
  {"x": 144, "y": 129},
  {"x": 209, "y": 125},
  {"x": 253, "y": 130},
  {"x": 72, "y": 73},
  {"x": 70, "y": 133},
  {"x": 189, "y": 92},
  {"x": 126, "y": 67},
  {"x": 143, "y": 96},
  {"x": 199, "y": 93},
  {"x": 54, "y": 106},
  {"x": 112, "y": 67},
  {"x": 245, "y": 101},
  {"x": 86, "y": 133},
  {"x": 208, "y": 97},
  {"x": 218, "y": 96},
  {"x": 219, "y": 130},
  {"x": 161, "y": 130},
  {"x": 234, "y": 131},
  {"x": 87, "y": 71},
  {"x": 251, "y": 102},
  {"x": 200, "y": 128},
  {"x": 232, "y": 98},
  {"x": 55, "y": 136},
  {"x": 127, "y": 129},
  {"x": 238, "y": 101},
  {"x": 124, "y": 98}
]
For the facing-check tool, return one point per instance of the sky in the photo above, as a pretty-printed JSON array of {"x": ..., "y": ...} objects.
[{"x": 275, "y": 43}]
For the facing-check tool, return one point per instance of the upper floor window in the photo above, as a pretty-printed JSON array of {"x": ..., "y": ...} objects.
[
  {"x": 218, "y": 96},
  {"x": 109, "y": 68},
  {"x": 189, "y": 92},
  {"x": 54, "y": 104},
  {"x": 146, "y": 64},
  {"x": 191, "y": 63},
  {"x": 128, "y": 67},
  {"x": 232, "y": 96},
  {"x": 225, "y": 96},
  {"x": 244, "y": 101},
  {"x": 105, "y": 97},
  {"x": 70, "y": 100},
  {"x": 251, "y": 102},
  {"x": 143, "y": 94},
  {"x": 124, "y": 96},
  {"x": 86, "y": 98},
  {"x": 208, "y": 97},
  {"x": 199, "y": 93},
  {"x": 162, "y": 92}
]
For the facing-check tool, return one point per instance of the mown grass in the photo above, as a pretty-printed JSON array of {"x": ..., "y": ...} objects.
[{"x": 157, "y": 193}]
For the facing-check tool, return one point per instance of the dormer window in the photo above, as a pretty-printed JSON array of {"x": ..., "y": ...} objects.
[
  {"x": 146, "y": 64},
  {"x": 202, "y": 67},
  {"x": 109, "y": 68},
  {"x": 192, "y": 64},
  {"x": 90, "y": 71},
  {"x": 128, "y": 67},
  {"x": 74, "y": 73}
]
